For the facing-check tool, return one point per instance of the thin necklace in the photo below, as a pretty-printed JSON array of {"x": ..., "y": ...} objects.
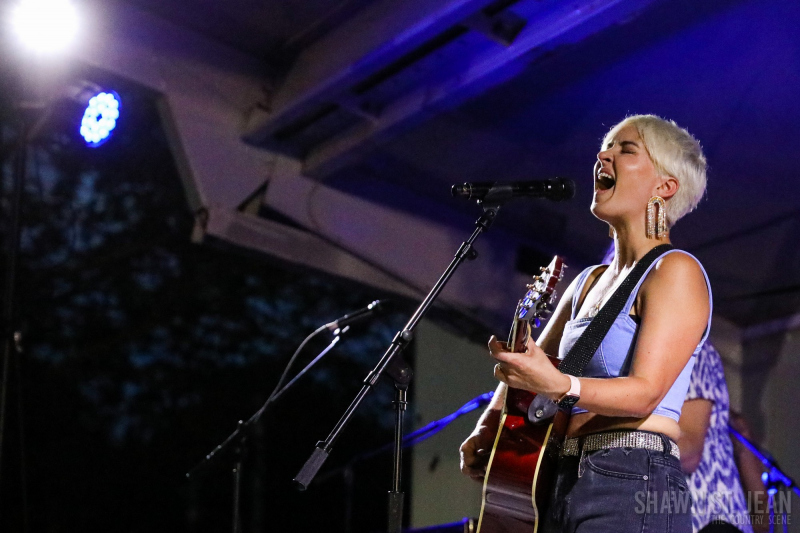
[{"x": 596, "y": 307}]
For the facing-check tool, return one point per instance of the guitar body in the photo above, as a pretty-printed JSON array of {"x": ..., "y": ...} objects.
[
  {"x": 522, "y": 465},
  {"x": 521, "y": 469}
]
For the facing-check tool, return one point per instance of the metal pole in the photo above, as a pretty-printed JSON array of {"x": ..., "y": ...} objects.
[
  {"x": 12, "y": 254},
  {"x": 396, "y": 496},
  {"x": 237, "y": 491}
]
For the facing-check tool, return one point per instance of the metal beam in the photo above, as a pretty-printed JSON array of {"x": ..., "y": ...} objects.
[
  {"x": 502, "y": 28},
  {"x": 295, "y": 246},
  {"x": 772, "y": 327},
  {"x": 548, "y": 26},
  {"x": 374, "y": 38}
]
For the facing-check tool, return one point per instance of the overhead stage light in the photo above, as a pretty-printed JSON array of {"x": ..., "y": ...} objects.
[
  {"x": 45, "y": 26},
  {"x": 100, "y": 118}
]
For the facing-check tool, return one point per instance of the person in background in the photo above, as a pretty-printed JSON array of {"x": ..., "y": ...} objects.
[{"x": 707, "y": 452}]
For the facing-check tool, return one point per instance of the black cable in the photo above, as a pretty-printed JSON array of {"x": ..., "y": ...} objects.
[
  {"x": 285, "y": 374},
  {"x": 21, "y": 427}
]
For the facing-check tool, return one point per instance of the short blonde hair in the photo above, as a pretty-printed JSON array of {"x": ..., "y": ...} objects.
[{"x": 674, "y": 152}]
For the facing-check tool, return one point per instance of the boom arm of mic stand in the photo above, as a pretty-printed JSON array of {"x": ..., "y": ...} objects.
[{"x": 400, "y": 341}]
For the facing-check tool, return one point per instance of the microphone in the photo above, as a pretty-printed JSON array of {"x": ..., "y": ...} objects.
[
  {"x": 355, "y": 316},
  {"x": 557, "y": 189}
]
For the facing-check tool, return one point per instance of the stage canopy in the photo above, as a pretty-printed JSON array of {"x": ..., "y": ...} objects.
[{"x": 328, "y": 134}]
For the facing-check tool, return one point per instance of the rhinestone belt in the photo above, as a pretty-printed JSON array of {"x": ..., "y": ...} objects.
[{"x": 618, "y": 439}]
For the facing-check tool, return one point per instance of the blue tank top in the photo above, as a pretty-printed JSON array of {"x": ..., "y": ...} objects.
[{"x": 614, "y": 356}]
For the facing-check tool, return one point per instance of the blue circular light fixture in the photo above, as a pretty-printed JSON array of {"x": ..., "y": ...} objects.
[{"x": 100, "y": 118}]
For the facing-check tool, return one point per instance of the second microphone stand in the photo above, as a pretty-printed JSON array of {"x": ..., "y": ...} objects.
[{"x": 238, "y": 439}]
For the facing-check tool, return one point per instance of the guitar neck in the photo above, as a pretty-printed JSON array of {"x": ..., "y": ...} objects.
[{"x": 518, "y": 336}]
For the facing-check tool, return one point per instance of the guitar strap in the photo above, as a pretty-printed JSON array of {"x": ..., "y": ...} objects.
[{"x": 583, "y": 350}]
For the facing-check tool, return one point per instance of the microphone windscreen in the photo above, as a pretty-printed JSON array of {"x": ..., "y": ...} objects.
[{"x": 569, "y": 189}]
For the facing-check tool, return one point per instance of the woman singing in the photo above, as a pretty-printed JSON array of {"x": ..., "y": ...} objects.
[{"x": 619, "y": 469}]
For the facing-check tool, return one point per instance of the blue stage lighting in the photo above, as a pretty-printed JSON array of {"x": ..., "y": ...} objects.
[{"x": 100, "y": 118}]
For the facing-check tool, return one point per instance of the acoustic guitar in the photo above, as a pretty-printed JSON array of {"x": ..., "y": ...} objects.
[{"x": 522, "y": 464}]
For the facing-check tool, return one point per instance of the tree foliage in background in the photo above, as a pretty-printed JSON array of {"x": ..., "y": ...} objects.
[{"x": 142, "y": 350}]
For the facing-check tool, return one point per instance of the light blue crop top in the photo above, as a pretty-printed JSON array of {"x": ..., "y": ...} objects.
[{"x": 613, "y": 357}]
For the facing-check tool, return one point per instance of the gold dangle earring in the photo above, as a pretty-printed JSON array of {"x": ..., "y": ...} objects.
[{"x": 656, "y": 230}]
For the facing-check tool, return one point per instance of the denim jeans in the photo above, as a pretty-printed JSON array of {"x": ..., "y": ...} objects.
[{"x": 620, "y": 490}]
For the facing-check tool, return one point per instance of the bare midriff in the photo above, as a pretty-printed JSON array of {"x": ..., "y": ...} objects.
[{"x": 584, "y": 423}]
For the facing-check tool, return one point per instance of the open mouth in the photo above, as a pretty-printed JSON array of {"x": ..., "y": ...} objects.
[{"x": 604, "y": 181}]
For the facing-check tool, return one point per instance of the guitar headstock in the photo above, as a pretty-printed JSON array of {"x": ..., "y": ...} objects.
[{"x": 539, "y": 301}]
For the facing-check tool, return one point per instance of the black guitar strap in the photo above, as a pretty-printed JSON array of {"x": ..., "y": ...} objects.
[{"x": 578, "y": 357}]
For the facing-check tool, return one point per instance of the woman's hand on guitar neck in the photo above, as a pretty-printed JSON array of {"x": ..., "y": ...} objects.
[{"x": 530, "y": 370}]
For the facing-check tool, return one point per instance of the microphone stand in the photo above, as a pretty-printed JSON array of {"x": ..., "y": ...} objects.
[
  {"x": 393, "y": 364},
  {"x": 238, "y": 438}
]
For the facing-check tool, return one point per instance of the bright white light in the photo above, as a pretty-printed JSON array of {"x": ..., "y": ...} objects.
[
  {"x": 45, "y": 26},
  {"x": 100, "y": 118}
]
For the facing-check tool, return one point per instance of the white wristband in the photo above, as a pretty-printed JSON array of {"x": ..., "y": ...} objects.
[{"x": 574, "y": 388}]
